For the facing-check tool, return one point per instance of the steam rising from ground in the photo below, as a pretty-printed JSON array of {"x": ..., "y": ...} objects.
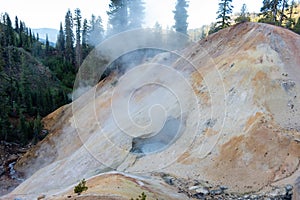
[
  {"x": 151, "y": 119},
  {"x": 161, "y": 140},
  {"x": 138, "y": 59},
  {"x": 114, "y": 53}
]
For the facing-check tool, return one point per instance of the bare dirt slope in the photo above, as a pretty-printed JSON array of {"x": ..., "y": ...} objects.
[{"x": 238, "y": 123}]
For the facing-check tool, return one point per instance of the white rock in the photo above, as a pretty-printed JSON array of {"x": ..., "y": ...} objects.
[
  {"x": 195, "y": 187},
  {"x": 202, "y": 190}
]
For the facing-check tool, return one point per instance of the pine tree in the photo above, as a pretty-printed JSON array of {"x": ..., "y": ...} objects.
[
  {"x": 2, "y": 63},
  {"x": 225, "y": 9},
  {"x": 84, "y": 42},
  {"x": 37, "y": 128},
  {"x": 37, "y": 47},
  {"x": 30, "y": 38},
  {"x": 24, "y": 34},
  {"x": 269, "y": 10},
  {"x": 23, "y": 129},
  {"x": 4, "y": 109},
  {"x": 85, "y": 30},
  {"x": 291, "y": 21},
  {"x": 60, "y": 44},
  {"x": 180, "y": 16},
  {"x": 69, "y": 42},
  {"x": 8, "y": 32},
  {"x": 5, "y": 123},
  {"x": 297, "y": 26},
  {"x": 33, "y": 37},
  {"x": 136, "y": 13},
  {"x": 47, "y": 49},
  {"x": 244, "y": 15},
  {"x": 212, "y": 28},
  {"x": 17, "y": 24},
  {"x": 78, "y": 53},
  {"x": 95, "y": 35},
  {"x": 20, "y": 44},
  {"x": 284, "y": 6},
  {"x": 158, "y": 33},
  {"x": 118, "y": 16}
]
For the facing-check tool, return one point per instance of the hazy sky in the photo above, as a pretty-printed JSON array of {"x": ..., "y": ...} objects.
[{"x": 48, "y": 14}]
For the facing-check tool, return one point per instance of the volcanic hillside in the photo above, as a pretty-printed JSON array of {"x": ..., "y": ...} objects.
[{"x": 224, "y": 113}]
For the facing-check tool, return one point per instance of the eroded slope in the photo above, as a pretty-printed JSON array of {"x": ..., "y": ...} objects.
[{"x": 239, "y": 124}]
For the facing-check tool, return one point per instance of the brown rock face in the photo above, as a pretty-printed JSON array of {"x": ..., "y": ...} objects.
[{"x": 236, "y": 122}]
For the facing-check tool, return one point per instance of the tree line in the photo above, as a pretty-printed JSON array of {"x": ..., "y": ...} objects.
[
  {"x": 276, "y": 12},
  {"x": 123, "y": 15},
  {"x": 28, "y": 90}
]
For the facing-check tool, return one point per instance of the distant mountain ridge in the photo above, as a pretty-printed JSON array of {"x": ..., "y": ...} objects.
[{"x": 52, "y": 34}]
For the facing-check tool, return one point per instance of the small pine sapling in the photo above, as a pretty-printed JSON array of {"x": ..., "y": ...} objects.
[{"x": 81, "y": 187}]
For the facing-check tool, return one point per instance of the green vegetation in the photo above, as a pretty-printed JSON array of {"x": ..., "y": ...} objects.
[
  {"x": 28, "y": 89},
  {"x": 142, "y": 196},
  {"x": 224, "y": 12},
  {"x": 273, "y": 11},
  {"x": 297, "y": 26},
  {"x": 180, "y": 16},
  {"x": 280, "y": 12},
  {"x": 243, "y": 16},
  {"x": 81, "y": 187},
  {"x": 287, "y": 14},
  {"x": 125, "y": 15},
  {"x": 36, "y": 78}
]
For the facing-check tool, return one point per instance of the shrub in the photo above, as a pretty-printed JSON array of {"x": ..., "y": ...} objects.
[
  {"x": 81, "y": 187},
  {"x": 141, "y": 197}
]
